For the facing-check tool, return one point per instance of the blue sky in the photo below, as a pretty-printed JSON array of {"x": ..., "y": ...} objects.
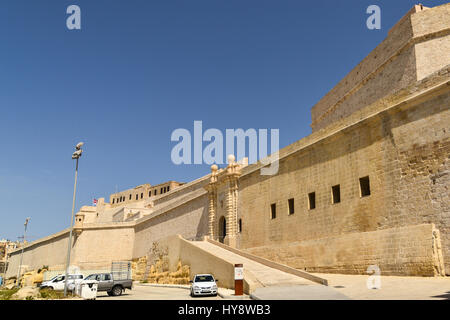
[{"x": 137, "y": 70}]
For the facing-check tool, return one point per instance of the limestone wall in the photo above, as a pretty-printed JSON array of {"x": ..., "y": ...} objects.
[
  {"x": 187, "y": 218},
  {"x": 199, "y": 261},
  {"x": 103, "y": 244},
  {"x": 50, "y": 251},
  {"x": 97, "y": 244},
  {"x": 404, "y": 150},
  {"x": 405, "y": 251},
  {"x": 415, "y": 48}
]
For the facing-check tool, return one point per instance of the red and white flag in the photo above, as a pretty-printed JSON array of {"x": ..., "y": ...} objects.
[{"x": 95, "y": 202}]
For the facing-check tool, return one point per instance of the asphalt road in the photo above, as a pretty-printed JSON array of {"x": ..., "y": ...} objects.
[{"x": 154, "y": 293}]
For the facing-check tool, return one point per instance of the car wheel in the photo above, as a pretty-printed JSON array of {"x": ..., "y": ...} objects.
[{"x": 117, "y": 291}]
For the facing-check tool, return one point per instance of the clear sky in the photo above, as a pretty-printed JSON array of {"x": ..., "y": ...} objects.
[{"x": 139, "y": 69}]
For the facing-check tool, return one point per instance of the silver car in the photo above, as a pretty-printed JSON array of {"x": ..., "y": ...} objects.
[{"x": 203, "y": 284}]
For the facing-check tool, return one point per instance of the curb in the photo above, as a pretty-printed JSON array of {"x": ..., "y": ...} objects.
[{"x": 232, "y": 297}]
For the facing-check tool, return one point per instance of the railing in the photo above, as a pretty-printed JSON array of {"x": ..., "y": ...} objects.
[{"x": 121, "y": 270}]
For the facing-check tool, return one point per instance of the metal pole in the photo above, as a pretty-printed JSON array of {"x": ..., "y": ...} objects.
[
  {"x": 69, "y": 247},
  {"x": 21, "y": 254}
]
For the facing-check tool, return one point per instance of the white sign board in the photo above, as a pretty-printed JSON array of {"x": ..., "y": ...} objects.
[{"x": 238, "y": 273}]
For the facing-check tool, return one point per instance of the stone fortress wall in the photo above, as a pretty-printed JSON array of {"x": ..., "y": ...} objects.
[
  {"x": 368, "y": 187},
  {"x": 99, "y": 239},
  {"x": 417, "y": 46}
]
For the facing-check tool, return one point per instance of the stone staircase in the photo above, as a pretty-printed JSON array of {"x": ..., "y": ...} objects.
[
  {"x": 263, "y": 275},
  {"x": 266, "y": 279}
]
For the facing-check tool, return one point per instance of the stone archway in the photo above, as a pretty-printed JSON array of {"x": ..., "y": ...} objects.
[{"x": 222, "y": 228}]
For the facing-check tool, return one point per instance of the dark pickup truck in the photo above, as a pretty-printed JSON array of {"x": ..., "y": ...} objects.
[{"x": 107, "y": 283}]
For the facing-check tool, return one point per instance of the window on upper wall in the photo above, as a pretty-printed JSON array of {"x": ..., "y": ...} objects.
[
  {"x": 273, "y": 211},
  {"x": 113, "y": 201},
  {"x": 336, "y": 193},
  {"x": 291, "y": 206},
  {"x": 149, "y": 193},
  {"x": 156, "y": 191},
  {"x": 240, "y": 225},
  {"x": 161, "y": 191},
  {"x": 168, "y": 188},
  {"x": 311, "y": 201},
  {"x": 137, "y": 197},
  {"x": 130, "y": 197},
  {"x": 364, "y": 186}
]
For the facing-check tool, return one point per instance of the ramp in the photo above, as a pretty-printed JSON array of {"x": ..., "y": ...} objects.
[{"x": 263, "y": 275}]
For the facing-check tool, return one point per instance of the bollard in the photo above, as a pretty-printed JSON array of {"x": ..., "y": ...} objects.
[{"x": 238, "y": 279}]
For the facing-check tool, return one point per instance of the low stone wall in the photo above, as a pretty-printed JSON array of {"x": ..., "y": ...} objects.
[
  {"x": 155, "y": 268},
  {"x": 411, "y": 250},
  {"x": 182, "y": 260},
  {"x": 49, "y": 251},
  {"x": 199, "y": 261}
]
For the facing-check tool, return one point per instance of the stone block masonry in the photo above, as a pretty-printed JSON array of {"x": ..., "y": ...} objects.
[
  {"x": 369, "y": 186},
  {"x": 396, "y": 251}
]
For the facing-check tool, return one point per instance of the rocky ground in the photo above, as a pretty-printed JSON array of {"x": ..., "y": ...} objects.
[{"x": 32, "y": 293}]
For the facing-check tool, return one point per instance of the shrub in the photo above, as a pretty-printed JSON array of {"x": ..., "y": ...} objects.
[
  {"x": 6, "y": 294},
  {"x": 51, "y": 294}
]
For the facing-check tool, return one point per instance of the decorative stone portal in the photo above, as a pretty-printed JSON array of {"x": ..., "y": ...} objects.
[{"x": 223, "y": 190}]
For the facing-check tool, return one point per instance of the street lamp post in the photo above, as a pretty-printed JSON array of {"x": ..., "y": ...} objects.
[
  {"x": 76, "y": 155},
  {"x": 21, "y": 254}
]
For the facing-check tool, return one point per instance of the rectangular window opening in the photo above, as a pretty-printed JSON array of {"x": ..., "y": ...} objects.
[
  {"x": 312, "y": 200},
  {"x": 273, "y": 210},
  {"x": 291, "y": 206},
  {"x": 364, "y": 186},
  {"x": 336, "y": 191}
]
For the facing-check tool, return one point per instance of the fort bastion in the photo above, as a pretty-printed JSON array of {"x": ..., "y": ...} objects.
[{"x": 369, "y": 186}]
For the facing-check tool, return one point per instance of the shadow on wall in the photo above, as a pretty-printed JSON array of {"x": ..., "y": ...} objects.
[{"x": 182, "y": 254}]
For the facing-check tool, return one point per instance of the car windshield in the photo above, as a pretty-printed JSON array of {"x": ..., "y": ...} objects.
[
  {"x": 92, "y": 277},
  {"x": 204, "y": 279}
]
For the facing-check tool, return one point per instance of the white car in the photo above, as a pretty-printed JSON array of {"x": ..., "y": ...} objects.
[
  {"x": 57, "y": 282},
  {"x": 203, "y": 284}
]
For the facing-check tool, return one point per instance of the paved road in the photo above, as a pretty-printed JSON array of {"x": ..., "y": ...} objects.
[
  {"x": 265, "y": 275},
  {"x": 392, "y": 287},
  {"x": 153, "y": 293},
  {"x": 318, "y": 292}
]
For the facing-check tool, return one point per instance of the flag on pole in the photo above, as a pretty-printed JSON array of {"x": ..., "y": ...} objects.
[{"x": 95, "y": 202}]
